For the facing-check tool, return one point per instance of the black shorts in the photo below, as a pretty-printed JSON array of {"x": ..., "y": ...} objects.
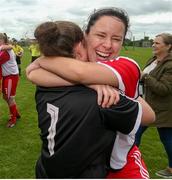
[
  {"x": 18, "y": 60},
  {"x": 34, "y": 58},
  {"x": 39, "y": 170},
  {"x": 96, "y": 170}
]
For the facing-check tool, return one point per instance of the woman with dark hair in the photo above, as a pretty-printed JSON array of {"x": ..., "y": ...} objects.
[{"x": 104, "y": 38}]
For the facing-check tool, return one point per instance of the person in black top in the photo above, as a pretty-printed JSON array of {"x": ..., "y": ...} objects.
[{"x": 77, "y": 134}]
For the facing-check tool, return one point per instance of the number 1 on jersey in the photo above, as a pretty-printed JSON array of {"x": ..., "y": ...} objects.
[{"x": 54, "y": 112}]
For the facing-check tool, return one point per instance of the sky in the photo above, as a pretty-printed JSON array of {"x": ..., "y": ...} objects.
[{"x": 19, "y": 18}]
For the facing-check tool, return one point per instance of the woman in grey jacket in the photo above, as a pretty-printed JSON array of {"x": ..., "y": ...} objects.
[{"x": 157, "y": 82}]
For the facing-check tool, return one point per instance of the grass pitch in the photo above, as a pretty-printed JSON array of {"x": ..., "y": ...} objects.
[{"x": 20, "y": 145}]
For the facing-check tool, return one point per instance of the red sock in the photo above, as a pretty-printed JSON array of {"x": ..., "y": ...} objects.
[
  {"x": 17, "y": 113},
  {"x": 13, "y": 111}
]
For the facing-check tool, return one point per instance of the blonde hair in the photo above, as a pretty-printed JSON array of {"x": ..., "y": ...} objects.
[{"x": 167, "y": 39}]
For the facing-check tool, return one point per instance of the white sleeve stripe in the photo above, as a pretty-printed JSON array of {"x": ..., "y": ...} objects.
[
  {"x": 132, "y": 60},
  {"x": 120, "y": 81},
  {"x": 138, "y": 121},
  {"x": 137, "y": 90}
]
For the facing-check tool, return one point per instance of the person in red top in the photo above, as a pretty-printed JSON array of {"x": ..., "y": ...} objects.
[
  {"x": 104, "y": 37},
  {"x": 0, "y": 77},
  {"x": 10, "y": 77}
]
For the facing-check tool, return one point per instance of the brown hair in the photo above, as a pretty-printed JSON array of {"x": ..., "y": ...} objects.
[
  {"x": 113, "y": 12},
  {"x": 58, "y": 38},
  {"x": 4, "y": 37}
]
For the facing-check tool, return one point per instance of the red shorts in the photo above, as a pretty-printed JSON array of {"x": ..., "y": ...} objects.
[
  {"x": 9, "y": 85},
  {"x": 134, "y": 169}
]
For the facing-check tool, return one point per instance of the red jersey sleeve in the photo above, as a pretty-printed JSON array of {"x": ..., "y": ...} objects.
[
  {"x": 4, "y": 56},
  {"x": 128, "y": 74}
]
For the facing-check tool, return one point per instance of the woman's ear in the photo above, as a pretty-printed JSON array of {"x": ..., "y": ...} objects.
[
  {"x": 76, "y": 50},
  {"x": 80, "y": 52},
  {"x": 170, "y": 48}
]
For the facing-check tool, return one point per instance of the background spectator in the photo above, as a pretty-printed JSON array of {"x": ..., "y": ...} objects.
[{"x": 157, "y": 81}]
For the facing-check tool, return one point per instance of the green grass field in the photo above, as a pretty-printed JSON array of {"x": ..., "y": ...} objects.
[{"x": 20, "y": 145}]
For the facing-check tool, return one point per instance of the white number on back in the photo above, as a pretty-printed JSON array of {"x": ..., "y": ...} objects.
[{"x": 53, "y": 111}]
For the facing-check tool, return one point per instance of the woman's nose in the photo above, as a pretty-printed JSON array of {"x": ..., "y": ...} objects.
[{"x": 107, "y": 43}]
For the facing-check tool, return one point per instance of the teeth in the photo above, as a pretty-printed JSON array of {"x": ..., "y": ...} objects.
[{"x": 104, "y": 55}]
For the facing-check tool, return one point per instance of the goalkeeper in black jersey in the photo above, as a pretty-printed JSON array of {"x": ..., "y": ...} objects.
[{"x": 77, "y": 134}]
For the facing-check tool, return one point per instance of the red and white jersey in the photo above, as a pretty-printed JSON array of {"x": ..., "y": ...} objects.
[
  {"x": 0, "y": 73},
  {"x": 128, "y": 73},
  {"x": 9, "y": 67},
  {"x": 0, "y": 77}
]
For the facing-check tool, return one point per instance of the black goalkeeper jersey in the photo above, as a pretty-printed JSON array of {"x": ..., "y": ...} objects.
[{"x": 75, "y": 131}]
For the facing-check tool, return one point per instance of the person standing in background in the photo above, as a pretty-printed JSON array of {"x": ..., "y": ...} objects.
[
  {"x": 3, "y": 46},
  {"x": 18, "y": 50},
  {"x": 34, "y": 50},
  {"x": 10, "y": 78},
  {"x": 157, "y": 83},
  {"x": 0, "y": 78}
]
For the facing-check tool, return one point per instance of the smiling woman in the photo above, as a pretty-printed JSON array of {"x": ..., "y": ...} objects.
[
  {"x": 157, "y": 81},
  {"x": 63, "y": 38},
  {"x": 104, "y": 36}
]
